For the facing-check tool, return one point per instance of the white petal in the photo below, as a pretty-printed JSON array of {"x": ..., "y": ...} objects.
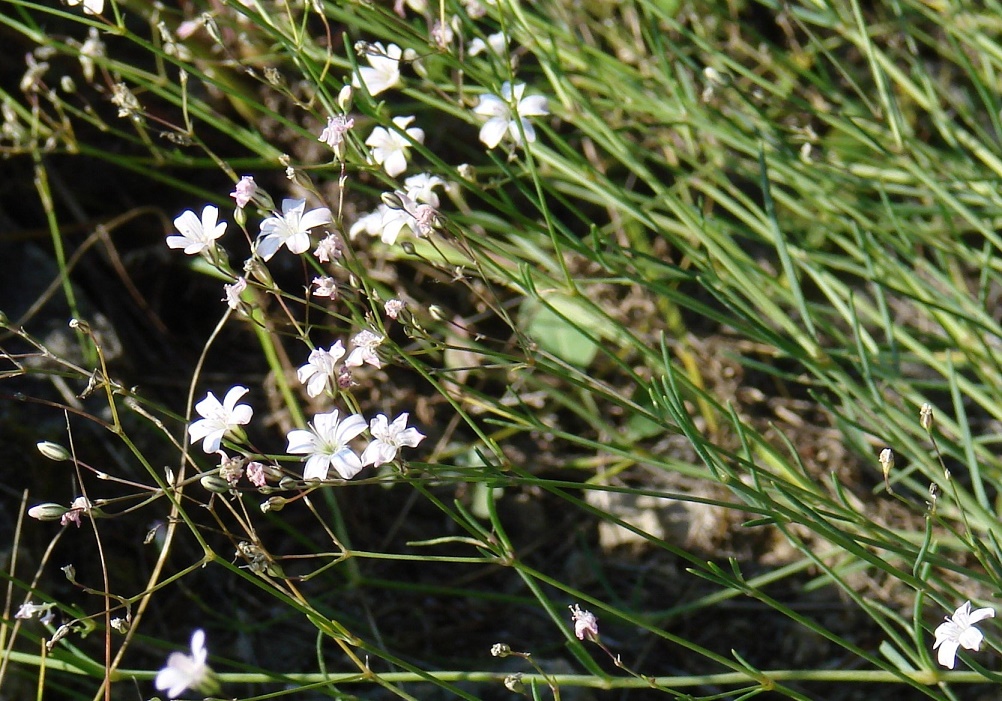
[
  {"x": 981, "y": 614},
  {"x": 301, "y": 441},
  {"x": 948, "y": 653},
  {"x": 395, "y": 163},
  {"x": 971, "y": 639},
  {"x": 315, "y": 217},
  {"x": 298, "y": 243},
  {"x": 317, "y": 468},
  {"x": 347, "y": 464},
  {"x": 491, "y": 106},
  {"x": 267, "y": 246},
  {"x": 493, "y": 131},
  {"x": 533, "y": 106}
]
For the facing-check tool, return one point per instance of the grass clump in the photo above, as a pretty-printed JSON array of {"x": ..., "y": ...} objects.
[{"x": 462, "y": 349}]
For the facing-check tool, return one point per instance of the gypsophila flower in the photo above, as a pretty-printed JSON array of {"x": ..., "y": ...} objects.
[
  {"x": 371, "y": 223},
  {"x": 91, "y": 49},
  {"x": 364, "y": 351},
  {"x": 325, "y": 287},
  {"x": 585, "y": 623},
  {"x": 384, "y": 70},
  {"x": 959, "y": 631},
  {"x": 503, "y": 119},
  {"x": 90, "y": 7},
  {"x": 197, "y": 234},
  {"x": 421, "y": 188},
  {"x": 320, "y": 373},
  {"x": 329, "y": 249},
  {"x": 326, "y": 445},
  {"x": 232, "y": 292},
  {"x": 219, "y": 418},
  {"x": 79, "y": 506},
  {"x": 389, "y": 147},
  {"x": 393, "y": 308},
  {"x": 388, "y": 438},
  {"x": 292, "y": 229},
  {"x": 419, "y": 217},
  {"x": 333, "y": 133},
  {"x": 494, "y": 43},
  {"x": 256, "y": 474},
  {"x": 187, "y": 671},
  {"x": 29, "y": 610},
  {"x": 244, "y": 191}
]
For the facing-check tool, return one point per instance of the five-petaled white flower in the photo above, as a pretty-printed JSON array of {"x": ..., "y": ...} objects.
[
  {"x": 389, "y": 147},
  {"x": 291, "y": 229},
  {"x": 384, "y": 72},
  {"x": 187, "y": 671},
  {"x": 326, "y": 444},
  {"x": 319, "y": 372},
  {"x": 504, "y": 119},
  {"x": 388, "y": 438},
  {"x": 958, "y": 631},
  {"x": 365, "y": 344},
  {"x": 218, "y": 418},
  {"x": 90, "y": 7},
  {"x": 197, "y": 235}
]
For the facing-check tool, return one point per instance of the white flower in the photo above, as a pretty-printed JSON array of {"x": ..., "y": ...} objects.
[
  {"x": 494, "y": 43},
  {"x": 504, "y": 119},
  {"x": 326, "y": 287},
  {"x": 959, "y": 631},
  {"x": 388, "y": 438},
  {"x": 333, "y": 133},
  {"x": 196, "y": 235},
  {"x": 244, "y": 191},
  {"x": 29, "y": 610},
  {"x": 233, "y": 292},
  {"x": 365, "y": 343},
  {"x": 90, "y": 7},
  {"x": 389, "y": 148},
  {"x": 421, "y": 188},
  {"x": 218, "y": 418},
  {"x": 385, "y": 68},
  {"x": 186, "y": 671},
  {"x": 91, "y": 49},
  {"x": 291, "y": 229},
  {"x": 421, "y": 218},
  {"x": 326, "y": 445},
  {"x": 319, "y": 373},
  {"x": 393, "y": 308},
  {"x": 328, "y": 249},
  {"x": 371, "y": 223}
]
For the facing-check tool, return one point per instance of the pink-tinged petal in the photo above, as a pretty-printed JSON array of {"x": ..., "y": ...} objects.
[
  {"x": 493, "y": 131},
  {"x": 533, "y": 106},
  {"x": 316, "y": 217}
]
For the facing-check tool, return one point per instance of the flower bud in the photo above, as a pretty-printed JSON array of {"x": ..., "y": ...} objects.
[
  {"x": 513, "y": 683},
  {"x": 53, "y": 451},
  {"x": 215, "y": 483},
  {"x": 344, "y": 98},
  {"x": 500, "y": 650},
  {"x": 274, "y": 504},
  {"x": 47, "y": 511},
  {"x": 925, "y": 416},
  {"x": 287, "y": 483}
]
